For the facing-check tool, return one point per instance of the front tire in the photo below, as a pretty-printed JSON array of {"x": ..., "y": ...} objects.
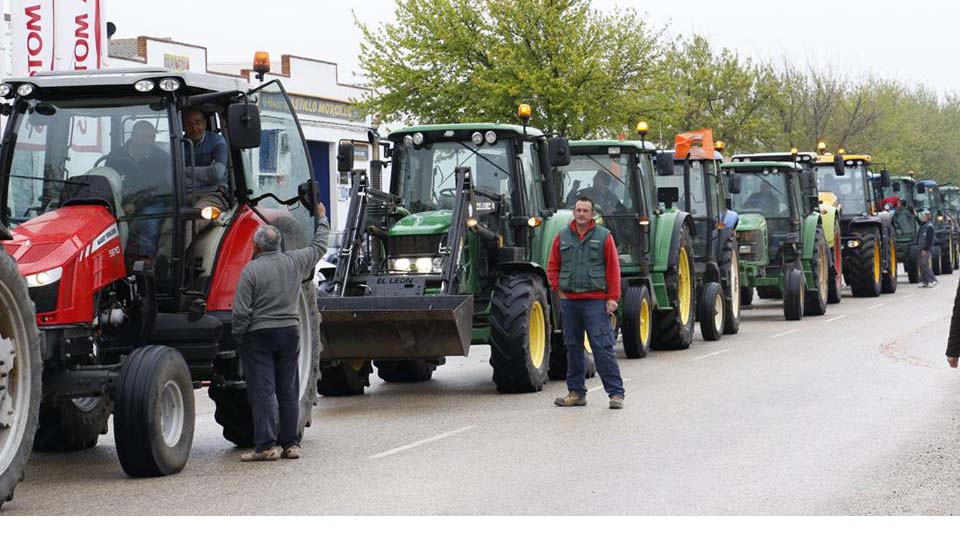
[
  {"x": 835, "y": 291},
  {"x": 912, "y": 264},
  {"x": 71, "y": 424},
  {"x": 946, "y": 260},
  {"x": 863, "y": 265},
  {"x": 637, "y": 326},
  {"x": 889, "y": 283},
  {"x": 793, "y": 295},
  {"x": 673, "y": 329},
  {"x": 712, "y": 312},
  {"x": 730, "y": 267},
  {"x": 344, "y": 378},
  {"x": 815, "y": 301},
  {"x": 155, "y": 412},
  {"x": 519, "y": 334},
  {"x": 935, "y": 258},
  {"x": 20, "y": 376}
]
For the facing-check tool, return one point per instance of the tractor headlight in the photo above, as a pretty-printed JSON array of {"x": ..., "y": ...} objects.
[
  {"x": 169, "y": 84},
  {"x": 44, "y": 278},
  {"x": 418, "y": 139},
  {"x": 144, "y": 86},
  {"x": 419, "y": 265},
  {"x": 6, "y": 90},
  {"x": 853, "y": 244},
  {"x": 402, "y": 264},
  {"x": 477, "y": 138},
  {"x": 424, "y": 265},
  {"x": 25, "y": 89},
  {"x": 491, "y": 137}
]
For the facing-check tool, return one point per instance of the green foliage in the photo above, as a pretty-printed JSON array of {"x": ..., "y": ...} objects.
[{"x": 592, "y": 74}]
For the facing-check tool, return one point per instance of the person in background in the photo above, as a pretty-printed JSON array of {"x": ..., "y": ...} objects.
[{"x": 926, "y": 238}]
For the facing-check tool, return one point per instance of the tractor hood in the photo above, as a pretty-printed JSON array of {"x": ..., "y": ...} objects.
[
  {"x": 423, "y": 223},
  {"x": 751, "y": 222},
  {"x": 70, "y": 253}
]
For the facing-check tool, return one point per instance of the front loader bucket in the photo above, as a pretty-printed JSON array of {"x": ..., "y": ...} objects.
[{"x": 395, "y": 327}]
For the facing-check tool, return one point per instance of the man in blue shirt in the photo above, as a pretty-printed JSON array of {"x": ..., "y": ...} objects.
[{"x": 205, "y": 167}]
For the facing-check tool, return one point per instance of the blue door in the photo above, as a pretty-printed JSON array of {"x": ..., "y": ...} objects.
[{"x": 320, "y": 156}]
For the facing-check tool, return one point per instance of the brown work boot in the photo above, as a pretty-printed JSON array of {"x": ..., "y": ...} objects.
[
  {"x": 572, "y": 399},
  {"x": 291, "y": 452},
  {"x": 270, "y": 454},
  {"x": 616, "y": 402}
]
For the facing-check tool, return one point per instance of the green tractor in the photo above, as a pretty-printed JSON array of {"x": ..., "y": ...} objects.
[
  {"x": 867, "y": 236},
  {"x": 657, "y": 307},
  {"x": 950, "y": 204},
  {"x": 948, "y": 233},
  {"x": 905, "y": 217},
  {"x": 696, "y": 181},
  {"x": 453, "y": 254},
  {"x": 782, "y": 241}
]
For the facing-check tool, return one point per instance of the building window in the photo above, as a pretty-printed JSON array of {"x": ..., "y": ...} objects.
[{"x": 269, "y": 151}]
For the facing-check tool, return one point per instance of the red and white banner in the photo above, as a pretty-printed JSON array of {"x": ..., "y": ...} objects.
[
  {"x": 32, "y": 36},
  {"x": 81, "y": 36},
  {"x": 57, "y": 35}
]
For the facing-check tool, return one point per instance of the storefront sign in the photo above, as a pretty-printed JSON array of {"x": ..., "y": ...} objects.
[{"x": 314, "y": 106}]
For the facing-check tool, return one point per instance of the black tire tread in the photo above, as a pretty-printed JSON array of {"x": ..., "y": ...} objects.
[
  {"x": 859, "y": 266},
  {"x": 509, "y": 325}
]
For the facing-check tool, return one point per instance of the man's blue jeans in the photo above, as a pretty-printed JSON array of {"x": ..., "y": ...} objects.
[{"x": 589, "y": 316}]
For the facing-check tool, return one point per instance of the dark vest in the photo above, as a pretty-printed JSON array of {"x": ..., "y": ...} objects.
[{"x": 583, "y": 267}]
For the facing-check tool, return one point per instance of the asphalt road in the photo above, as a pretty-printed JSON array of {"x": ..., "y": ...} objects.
[{"x": 855, "y": 412}]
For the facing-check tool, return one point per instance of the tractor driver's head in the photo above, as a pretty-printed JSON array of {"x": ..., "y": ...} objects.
[
  {"x": 583, "y": 211},
  {"x": 602, "y": 180},
  {"x": 143, "y": 136},
  {"x": 194, "y": 124}
]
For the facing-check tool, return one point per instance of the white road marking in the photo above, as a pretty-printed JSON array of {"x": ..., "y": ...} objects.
[
  {"x": 435, "y": 438},
  {"x": 835, "y": 318},
  {"x": 626, "y": 379},
  {"x": 786, "y": 333},
  {"x": 708, "y": 355},
  {"x": 877, "y": 306}
]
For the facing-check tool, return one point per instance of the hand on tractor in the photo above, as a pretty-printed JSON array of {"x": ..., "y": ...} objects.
[
  {"x": 321, "y": 210},
  {"x": 611, "y": 306},
  {"x": 952, "y": 361}
]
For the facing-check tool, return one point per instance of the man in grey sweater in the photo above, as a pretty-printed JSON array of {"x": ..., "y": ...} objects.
[{"x": 265, "y": 324}]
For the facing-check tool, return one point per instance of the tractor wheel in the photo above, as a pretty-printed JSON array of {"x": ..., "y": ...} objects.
[
  {"x": 730, "y": 271},
  {"x": 912, "y": 264},
  {"x": 863, "y": 265},
  {"x": 558, "y": 359},
  {"x": 519, "y": 334},
  {"x": 406, "y": 371},
  {"x": 232, "y": 406},
  {"x": 888, "y": 284},
  {"x": 935, "y": 259},
  {"x": 344, "y": 378},
  {"x": 769, "y": 292},
  {"x": 793, "y": 295},
  {"x": 946, "y": 260},
  {"x": 673, "y": 329},
  {"x": 637, "y": 325},
  {"x": 71, "y": 424},
  {"x": 20, "y": 370},
  {"x": 835, "y": 291},
  {"x": 746, "y": 297},
  {"x": 712, "y": 312},
  {"x": 815, "y": 301},
  {"x": 154, "y": 417},
  {"x": 956, "y": 253}
]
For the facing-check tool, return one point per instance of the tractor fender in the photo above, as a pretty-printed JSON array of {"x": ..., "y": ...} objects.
[
  {"x": 667, "y": 238},
  {"x": 810, "y": 225},
  {"x": 866, "y": 223},
  {"x": 828, "y": 217}
]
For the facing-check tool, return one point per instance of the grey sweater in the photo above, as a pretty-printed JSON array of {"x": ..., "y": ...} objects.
[{"x": 269, "y": 287}]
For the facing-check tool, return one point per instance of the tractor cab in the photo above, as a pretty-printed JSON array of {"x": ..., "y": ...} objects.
[
  {"x": 843, "y": 180},
  {"x": 132, "y": 198}
]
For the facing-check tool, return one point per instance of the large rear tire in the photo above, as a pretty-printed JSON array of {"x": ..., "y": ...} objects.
[
  {"x": 20, "y": 377},
  {"x": 406, "y": 371},
  {"x": 519, "y": 334},
  {"x": 712, "y": 312},
  {"x": 71, "y": 424},
  {"x": 746, "y": 297},
  {"x": 912, "y": 264},
  {"x": 232, "y": 405},
  {"x": 835, "y": 291},
  {"x": 863, "y": 265},
  {"x": 637, "y": 329},
  {"x": 155, "y": 412},
  {"x": 946, "y": 260},
  {"x": 730, "y": 271},
  {"x": 673, "y": 329},
  {"x": 815, "y": 300},
  {"x": 935, "y": 259},
  {"x": 888, "y": 284},
  {"x": 793, "y": 294}
]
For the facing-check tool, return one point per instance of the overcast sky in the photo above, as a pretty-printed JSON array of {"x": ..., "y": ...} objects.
[{"x": 913, "y": 41}]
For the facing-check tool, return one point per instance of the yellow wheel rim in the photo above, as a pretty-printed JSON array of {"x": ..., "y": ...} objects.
[
  {"x": 893, "y": 261},
  {"x": 683, "y": 269},
  {"x": 645, "y": 322},
  {"x": 537, "y": 335},
  {"x": 876, "y": 262}
]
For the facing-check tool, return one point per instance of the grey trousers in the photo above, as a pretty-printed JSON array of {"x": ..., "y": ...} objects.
[{"x": 926, "y": 271}]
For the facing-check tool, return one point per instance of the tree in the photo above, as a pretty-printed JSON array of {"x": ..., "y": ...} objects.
[{"x": 458, "y": 61}]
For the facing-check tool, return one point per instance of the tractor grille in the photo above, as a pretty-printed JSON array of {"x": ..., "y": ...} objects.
[
  {"x": 398, "y": 246},
  {"x": 748, "y": 245}
]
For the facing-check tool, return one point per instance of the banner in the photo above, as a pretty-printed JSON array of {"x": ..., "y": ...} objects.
[
  {"x": 80, "y": 35},
  {"x": 32, "y": 36},
  {"x": 698, "y": 144}
]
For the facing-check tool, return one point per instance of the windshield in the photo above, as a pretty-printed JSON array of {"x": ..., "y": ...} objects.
[
  {"x": 848, "y": 187},
  {"x": 928, "y": 200},
  {"x": 951, "y": 199},
  {"x": 604, "y": 179},
  {"x": 426, "y": 177},
  {"x": 117, "y": 150},
  {"x": 763, "y": 192},
  {"x": 698, "y": 199}
]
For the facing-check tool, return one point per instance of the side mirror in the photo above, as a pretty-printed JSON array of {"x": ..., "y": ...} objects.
[
  {"x": 734, "y": 182},
  {"x": 243, "y": 125},
  {"x": 838, "y": 167},
  {"x": 668, "y": 196},
  {"x": 895, "y": 186},
  {"x": 809, "y": 183},
  {"x": 307, "y": 194},
  {"x": 559, "y": 151},
  {"x": 665, "y": 164},
  {"x": 345, "y": 157},
  {"x": 885, "y": 178}
]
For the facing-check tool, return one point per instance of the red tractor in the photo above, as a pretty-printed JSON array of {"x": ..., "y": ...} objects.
[{"x": 133, "y": 280}]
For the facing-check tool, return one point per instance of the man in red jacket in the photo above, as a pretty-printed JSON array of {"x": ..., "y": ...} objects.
[{"x": 585, "y": 268}]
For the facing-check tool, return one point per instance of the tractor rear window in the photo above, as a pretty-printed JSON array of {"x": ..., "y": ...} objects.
[
  {"x": 604, "y": 179},
  {"x": 697, "y": 200}
]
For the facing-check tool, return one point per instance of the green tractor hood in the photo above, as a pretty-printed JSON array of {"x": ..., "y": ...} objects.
[
  {"x": 751, "y": 222},
  {"x": 423, "y": 224}
]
